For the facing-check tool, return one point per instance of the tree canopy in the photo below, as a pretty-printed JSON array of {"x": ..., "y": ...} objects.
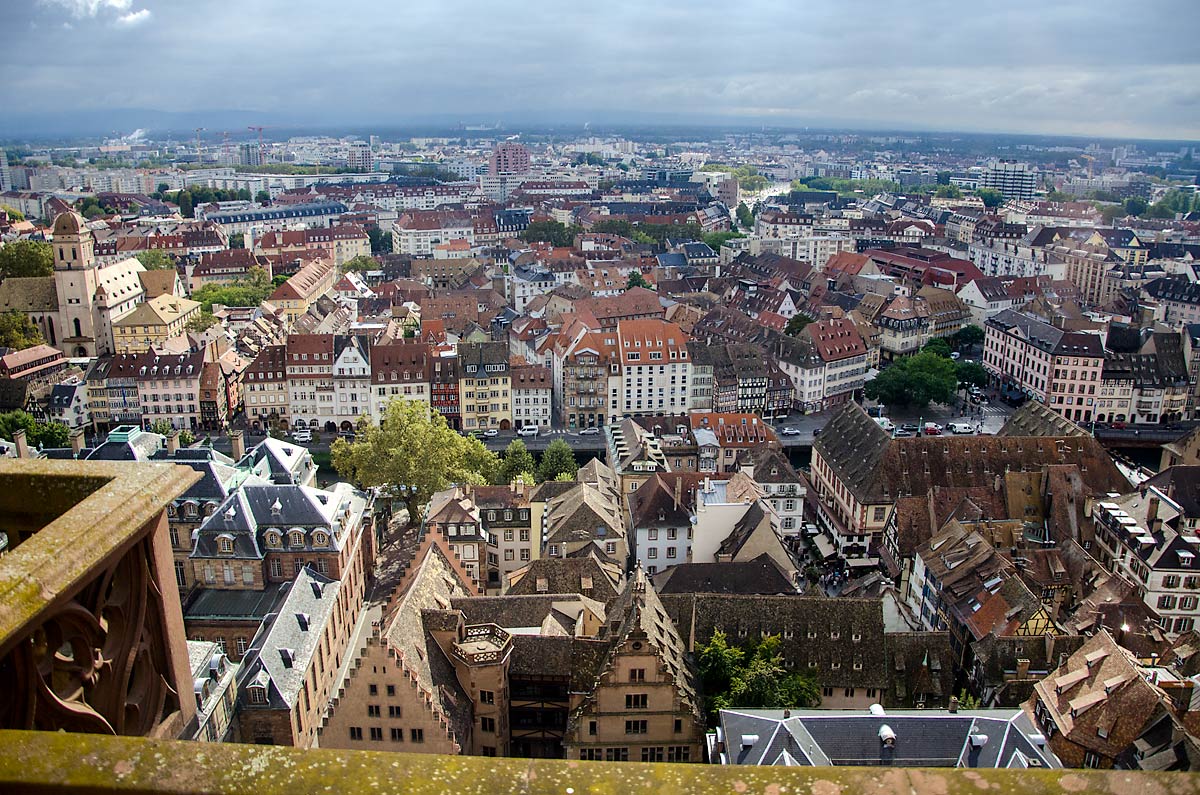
[
  {"x": 18, "y": 331},
  {"x": 155, "y": 260},
  {"x": 939, "y": 346},
  {"x": 990, "y": 198},
  {"x": 948, "y": 192},
  {"x": 556, "y": 461},
  {"x": 636, "y": 279},
  {"x": 796, "y": 324},
  {"x": 38, "y": 434},
  {"x": 251, "y": 291},
  {"x": 381, "y": 241},
  {"x": 714, "y": 240},
  {"x": 916, "y": 381},
  {"x": 750, "y": 677},
  {"x": 972, "y": 374},
  {"x": 745, "y": 218},
  {"x": 517, "y": 462},
  {"x": 552, "y": 232},
  {"x": 164, "y": 428},
  {"x": 969, "y": 335},
  {"x": 361, "y": 263},
  {"x": 203, "y": 321},
  {"x": 26, "y": 258},
  {"x": 413, "y": 454}
]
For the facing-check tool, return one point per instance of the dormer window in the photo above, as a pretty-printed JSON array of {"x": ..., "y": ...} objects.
[
  {"x": 320, "y": 539},
  {"x": 190, "y": 510},
  {"x": 273, "y": 539},
  {"x": 296, "y": 538},
  {"x": 225, "y": 545},
  {"x": 257, "y": 694}
]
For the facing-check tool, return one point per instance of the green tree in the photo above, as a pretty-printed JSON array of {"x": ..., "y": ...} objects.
[
  {"x": 796, "y": 324},
  {"x": 184, "y": 200},
  {"x": 750, "y": 677},
  {"x": 262, "y": 197},
  {"x": 990, "y": 198},
  {"x": 552, "y": 232},
  {"x": 966, "y": 701},
  {"x": 162, "y": 188},
  {"x": 279, "y": 279},
  {"x": 1135, "y": 205},
  {"x": 362, "y": 263},
  {"x": 968, "y": 335},
  {"x": 939, "y": 346},
  {"x": 155, "y": 260},
  {"x": 948, "y": 192},
  {"x": 557, "y": 460},
  {"x": 1111, "y": 212},
  {"x": 517, "y": 461},
  {"x": 381, "y": 241},
  {"x": 636, "y": 279},
  {"x": 26, "y": 258},
  {"x": 745, "y": 218},
  {"x": 202, "y": 322},
  {"x": 564, "y": 477},
  {"x": 1059, "y": 196},
  {"x": 916, "y": 381},
  {"x": 715, "y": 240},
  {"x": 18, "y": 332},
  {"x": 13, "y": 215},
  {"x": 237, "y": 240},
  {"x": 411, "y": 455},
  {"x": 37, "y": 434},
  {"x": 972, "y": 374}
]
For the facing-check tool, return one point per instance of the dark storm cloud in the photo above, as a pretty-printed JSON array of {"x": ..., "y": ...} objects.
[{"x": 1101, "y": 67}]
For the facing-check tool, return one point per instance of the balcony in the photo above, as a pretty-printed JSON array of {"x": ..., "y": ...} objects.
[
  {"x": 91, "y": 632},
  {"x": 34, "y": 762}
]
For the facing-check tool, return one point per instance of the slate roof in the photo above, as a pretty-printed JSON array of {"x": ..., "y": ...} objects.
[
  {"x": 758, "y": 576},
  {"x": 1036, "y": 419},
  {"x": 794, "y": 618},
  {"x": 280, "y": 654},
  {"x": 878, "y": 469},
  {"x": 923, "y": 738}
]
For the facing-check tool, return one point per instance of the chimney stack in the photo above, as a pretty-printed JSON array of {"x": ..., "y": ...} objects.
[
  {"x": 953, "y": 708},
  {"x": 1022, "y": 668},
  {"x": 21, "y": 443},
  {"x": 173, "y": 442},
  {"x": 1152, "y": 522},
  {"x": 77, "y": 441},
  {"x": 238, "y": 441},
  {"x": 678, "y": 490}
]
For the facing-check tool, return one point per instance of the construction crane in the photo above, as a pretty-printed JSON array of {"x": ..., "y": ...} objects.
[
  {"x": 198, "y": 131},
  {"x": 262, "y": 149},
  {"x": 225, "y": 146},
  {"x": 1091, "y": 165}
]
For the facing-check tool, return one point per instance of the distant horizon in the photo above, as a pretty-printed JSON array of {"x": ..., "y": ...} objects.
[{"x": 155, "y": 124}]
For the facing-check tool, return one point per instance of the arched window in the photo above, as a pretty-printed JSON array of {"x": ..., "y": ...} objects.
[
  {"x": 296, "y": 538},
  {"x": 78, "y": 328},
  {"x": 225, "y": 544},
  {"x": 273, "y": 539},
  {"x": 189, "y": 508},
  {"x": 320, "y": 539},
  {"x": 50, "y": 328}
]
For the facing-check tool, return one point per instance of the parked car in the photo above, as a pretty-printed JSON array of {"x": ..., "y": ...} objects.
[
  {"x": 789, "y": 431},
  {"x": 903, "y": 432},
  {"x": 962, "y": 427},
  {"x": 886, "y": 424},
  {"x": 1120, "y": 426},
  {"x": 816, "y": 432},
  {"x": 491, "y": 433},
  {"x": 932, "y": 429},
  {"x": 590, "y": 432},
  {"x": 302, "y": 435},
  {"x": 528, "y": 430},
  {"x": 910, "y": 427},
  {"x": 954, "y": 355}
]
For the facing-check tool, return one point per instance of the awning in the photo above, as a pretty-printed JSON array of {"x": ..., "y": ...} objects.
[
  {"x": 824, "y": 546},
  {"x": 862, "y": 563}
]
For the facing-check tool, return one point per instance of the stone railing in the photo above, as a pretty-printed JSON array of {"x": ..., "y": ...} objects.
[
  {"x": 492, "y": 635},
  {"x": 91, "y": 764},
  {"x": 91, "y": 631}
]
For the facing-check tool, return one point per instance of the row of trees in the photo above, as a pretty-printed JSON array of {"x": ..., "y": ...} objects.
[
  {"x": 251, "y": 291},
  {"x": 414, "y": 453},
  {"x": 747, "y": 176}
]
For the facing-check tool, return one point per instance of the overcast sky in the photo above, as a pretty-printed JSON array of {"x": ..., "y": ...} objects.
[{"x": 1100, "y": 67}]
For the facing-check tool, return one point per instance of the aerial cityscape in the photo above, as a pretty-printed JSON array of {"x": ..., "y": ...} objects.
[{"x": 796, "y": 415}]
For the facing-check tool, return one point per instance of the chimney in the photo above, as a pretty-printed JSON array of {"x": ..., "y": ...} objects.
[
  {"x": 238, "y": 441},
  {"x": 678, "y": 490},
  {"x": 1180, "y": 693},
  {"x": 953, "y": 708},
  {"x": 22, "y": 445},
  {"x": 1152, "y": 522},
  {"x": 1022, "y": 668},
  {"x": 173, "y": 442},
  {"x": 77, "y": 441}
]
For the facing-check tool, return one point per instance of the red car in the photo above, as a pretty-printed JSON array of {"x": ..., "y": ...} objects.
[{"x": 1120, "y": 426}]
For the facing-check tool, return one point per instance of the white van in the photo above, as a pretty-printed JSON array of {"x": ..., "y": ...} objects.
[
  {"x": 527, "y": 430},
  {"x": 962, "y": 427},
  {"x": 885, "y": 423},
  {"x": 302, "y": 435}
]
